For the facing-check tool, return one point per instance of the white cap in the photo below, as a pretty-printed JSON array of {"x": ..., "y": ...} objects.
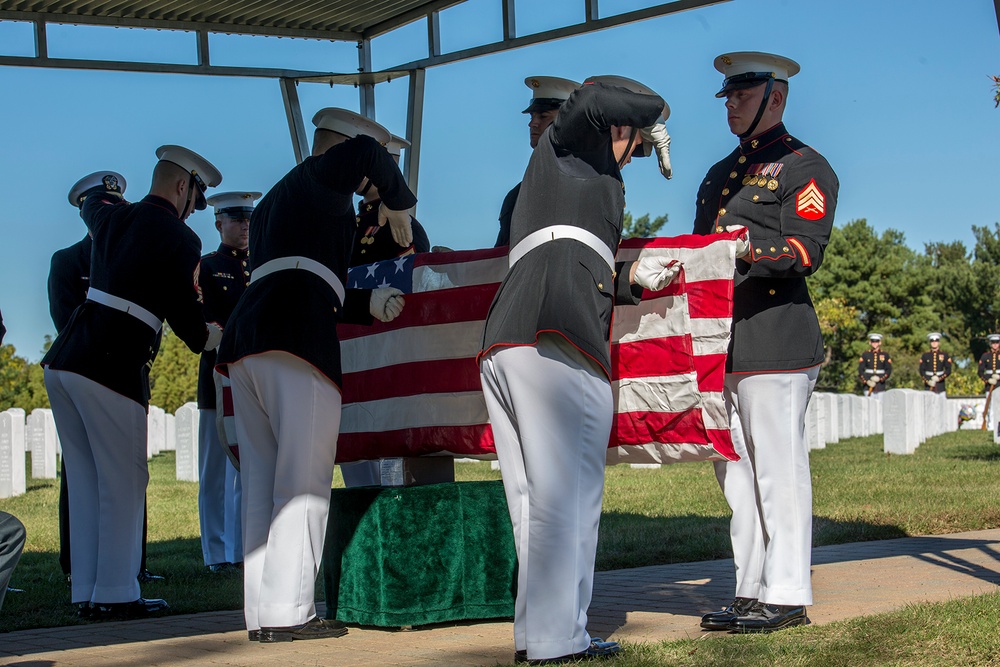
[
  {"x": 233, "y": 201},
  {"x": 548, "y": 92},
  {"x": 746, "y": 69},
  {"x": 934, "y": 335},
  {"x": 993, "y": 338},
  {"x": 350, "y": 124},
  {"x": 629, "y": 84},
  {"x": 874, "y": 336},
  {"x": 396, "y": 145},
  {"x": 111, "y": 180},
  {"x": 204, "y": 172}
]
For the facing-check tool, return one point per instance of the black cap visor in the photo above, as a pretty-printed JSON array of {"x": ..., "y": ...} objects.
[
  {"x": 541, "y": 104},
  {"x": 745, "y": 80}
]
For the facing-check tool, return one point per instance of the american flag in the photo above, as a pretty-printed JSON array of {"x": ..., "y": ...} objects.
[{"x": 411, "y": 386}]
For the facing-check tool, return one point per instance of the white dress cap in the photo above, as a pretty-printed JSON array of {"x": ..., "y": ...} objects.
[
  {"x": 874, "y": 336},
  {"x": 185, "y": 158},
  {"x": 745, "y": 69},
  {"x": 629, "y": 84},
  {"x": 225, "y": 201},
  {"x": 934, "y": 335},
  {"x": 111, "y": 180},
  {"x": 350, "y": 124},
  {"x": 548, "y": 92},
  {"x": 396, "y": 145},
  {"x": 993, "y": 338}
]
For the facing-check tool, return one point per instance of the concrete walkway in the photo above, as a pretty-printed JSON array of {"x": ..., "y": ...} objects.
[{"x": 641, "y": 604}]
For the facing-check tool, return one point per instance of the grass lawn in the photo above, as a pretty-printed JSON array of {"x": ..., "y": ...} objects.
[{"x": 672, "y": 514}]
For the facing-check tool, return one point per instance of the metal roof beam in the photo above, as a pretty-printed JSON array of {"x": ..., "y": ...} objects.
[
  {"x": 409, "y": 17},
  {"x": 185, "y": 26},
  {"x": 561, "y": 33}
]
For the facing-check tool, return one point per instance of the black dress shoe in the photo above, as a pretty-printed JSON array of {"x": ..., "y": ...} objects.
[
  {"x": 84, "y": 610},
  {"x": 770, "y": 617},
  {"x": 720, "y": 620},
  {"x": 145, "y": 576},
  {"x": 253, "y": 635},
  {"x": 221, "y": 568},
  {"x": 316, "y": 628},
  {"x": 124, "y": 611},
  {"x": 598, "y": 649}
]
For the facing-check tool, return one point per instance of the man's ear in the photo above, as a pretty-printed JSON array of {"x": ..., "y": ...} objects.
[{"x": 218, "y": 225}]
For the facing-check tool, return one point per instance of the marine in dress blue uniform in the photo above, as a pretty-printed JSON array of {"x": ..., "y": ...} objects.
[
  {"x": 785, "y": 193},
  {"x": 989, "y": 363},
  {"x": 223, "y": 276},
  {"x": 935, "y": 365},
  {"x": 546, "y": 358},
  {"x": 547, "y": 95},
  {"x": 281, "y": 352},
  {"x": 69, "y": 280},
  {"x": 142, "y": 273},
  {"x": 874, "y": 367}
]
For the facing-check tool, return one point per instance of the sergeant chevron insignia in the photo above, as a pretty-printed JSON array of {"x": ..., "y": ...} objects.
[{"x": 810, "y": 203}]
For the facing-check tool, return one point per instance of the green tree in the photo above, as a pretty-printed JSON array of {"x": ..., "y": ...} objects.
[
  {"x": 641, "y": 227},
  {"x": 173, "y": 379},
  {"x": 22, "y": 383}
]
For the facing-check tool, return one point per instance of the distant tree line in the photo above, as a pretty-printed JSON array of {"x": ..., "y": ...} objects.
[{"x": 868, "y": 283}]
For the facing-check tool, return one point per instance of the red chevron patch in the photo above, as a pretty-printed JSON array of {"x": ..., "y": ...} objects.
[{"x": 810, "y": 203}]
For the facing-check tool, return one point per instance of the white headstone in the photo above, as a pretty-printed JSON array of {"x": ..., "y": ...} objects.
[
  {"x": 170, "y": 444},
  {"x": 846, "y": 425},
  {"x": 186, "y": 435},
  {"x": 858, "y": 426},
  {"x": 897, "y": 416},
  {"x": 814, "y": 426},
  {"x": 994, "y": 421},
  {"x": 156, "y": 431},
  {"x": 12, "y": 482},
  {"x": 40, "y": 430},
  {"x": 18, "y": 443},
  {"x": 830, "y": 406}
]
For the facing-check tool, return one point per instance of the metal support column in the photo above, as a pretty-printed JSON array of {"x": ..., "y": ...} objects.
[
  {"x": 414, "y": 128},
  {"x": 366, "y": 90},
  {"x": 293, "y": 112}
]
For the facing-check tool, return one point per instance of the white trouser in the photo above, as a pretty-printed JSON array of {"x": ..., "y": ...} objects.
[
  {"x": 287, "y": 421},
  {"x": 103, "y": 437},
  {"x": 551, "y": 411},
  {"x": 218, "y": 497},
  {"x": 769, "y": 489}
]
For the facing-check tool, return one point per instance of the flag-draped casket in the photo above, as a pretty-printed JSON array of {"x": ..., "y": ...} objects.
[{"x": 411, "y": 386}]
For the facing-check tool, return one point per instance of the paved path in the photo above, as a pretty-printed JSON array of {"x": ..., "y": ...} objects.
[{"x": 641, "y": 604}]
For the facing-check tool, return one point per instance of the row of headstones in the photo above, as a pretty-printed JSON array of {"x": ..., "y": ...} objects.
[
  {"x": 36, "y": 433},
  {"x": 831, "y": 418}
]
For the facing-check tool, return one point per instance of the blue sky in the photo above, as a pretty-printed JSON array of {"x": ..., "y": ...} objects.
[{"x": 895, "y": 93}]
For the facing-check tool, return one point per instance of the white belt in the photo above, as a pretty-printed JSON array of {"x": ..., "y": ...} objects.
[
  {"x": 126, "y": 306},
  {"x": 304, "y": 263},
  {"x": 553, "y": 232}
]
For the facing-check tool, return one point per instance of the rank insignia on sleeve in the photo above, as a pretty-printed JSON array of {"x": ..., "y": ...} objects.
[{"x": 810, "y": 203}]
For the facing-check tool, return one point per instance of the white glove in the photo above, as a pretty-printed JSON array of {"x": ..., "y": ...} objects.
[
  {"x": 399, "y": 224},
  {"x": 993, "y": 380},
  {"x": 871, "y": 383},
  {"x": 214, "y": 336},
  {"x": 655, "y": 273},
  {"x": 386, "y": 303},
  {"x": 932, "y": 380},
  {"x": 743, "y": 242},
  {"x": 658, "y": 138}
]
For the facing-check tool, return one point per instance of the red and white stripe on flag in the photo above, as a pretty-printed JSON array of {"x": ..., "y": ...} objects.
[{"x": 411, "y": 386}]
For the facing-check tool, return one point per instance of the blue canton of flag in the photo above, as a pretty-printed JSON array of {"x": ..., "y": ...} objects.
[{"x": 396, "y": 273}]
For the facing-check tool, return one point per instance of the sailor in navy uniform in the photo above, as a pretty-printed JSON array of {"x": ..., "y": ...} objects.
[
  {"x": 875, "y": 367},
  {"x": 546, "y": 357},
  {"x": 935, "y": 366},
  {"x": 69, "y": 279},
  {"x": 785, "y": 194},
  {"x": 223, "y": 276},
  {"x": 989, "y": 363},
  {"x": 142, "y": 271},
  {"x": 280, "y": 350},
  {"x": 373, "y": 242},
  {"x": 547, "y": 95}
]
